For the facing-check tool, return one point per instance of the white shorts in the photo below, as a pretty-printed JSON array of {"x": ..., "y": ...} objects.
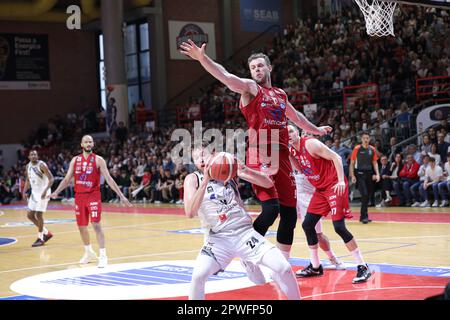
[
  {"x": 35, "y": 203},
  {"x": 248, "y": 245},
  {"x": 303, "y": 200}
]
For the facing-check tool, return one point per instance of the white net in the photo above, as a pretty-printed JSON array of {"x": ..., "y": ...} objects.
[{"x": 379, "y": 16}]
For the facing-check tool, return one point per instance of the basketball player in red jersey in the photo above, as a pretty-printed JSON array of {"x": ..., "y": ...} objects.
[
  {"x": 266, "y": 110},
  {"x": 86, "y": 169},
  {"x": 324, "y": 170}
]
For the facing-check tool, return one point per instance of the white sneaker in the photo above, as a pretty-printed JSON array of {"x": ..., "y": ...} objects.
[
  {"x": 102, "y": 261},
  {"x": 88, "y": 257},
  {"x": 157, "y": 202},
  {"x": 443, "y": 204},
  {"x": 425, "y": 204},
  {"x": 338, "y": 263},
  {"x": 388, "y": 198},
  {"x": 254, "y": 273},
  {"x": 179, "y": 202},
  {"x": 435, "y": 204},
  {"x": 415, "y": 204}
]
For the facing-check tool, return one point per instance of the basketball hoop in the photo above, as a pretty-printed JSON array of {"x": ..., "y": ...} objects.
[{"x": 379, "y": 16}]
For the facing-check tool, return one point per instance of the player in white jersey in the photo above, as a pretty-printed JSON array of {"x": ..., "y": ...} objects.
[
  {"x": 40, "y": 179},
  {"x": 229, "y": 230},
  {"x": 305, "y": 191}
]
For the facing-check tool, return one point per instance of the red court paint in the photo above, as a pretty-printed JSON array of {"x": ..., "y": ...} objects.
[{"x": 337, "y": 285}]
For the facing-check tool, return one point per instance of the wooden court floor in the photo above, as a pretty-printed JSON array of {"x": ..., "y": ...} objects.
[{"x": 397, "y": 236}]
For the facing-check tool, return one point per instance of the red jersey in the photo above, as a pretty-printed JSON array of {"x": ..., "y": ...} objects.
[
  {"x": 320, "y": 172},
  {"x": 86, "y": 174},
  {"x": 267, "y": 111}
]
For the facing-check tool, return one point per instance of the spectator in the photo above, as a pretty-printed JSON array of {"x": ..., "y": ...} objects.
[
  {"x": 415, "y": 187},
  {"x": 425, "y": 148},
  {"x": 434, "y": 153},
  {"x": 344, "y": 152},
  {"x": 121, "y": 132},
  {"x": 412, "y": 150},
  {"x": 165, "y": 185},
  {"x": 393, "y": 149},
  {"x": 395, "y": 168},
  {"x": 179, "y": 183},
  {"x": 444, "y": 186},
  {"x": 407, "y": 177},
  {"x": 442, "y": 147},
  {"x": 5, "y": 193},
  {"x": 385, "y": 182},
  {"x": 433, "y": 175}
]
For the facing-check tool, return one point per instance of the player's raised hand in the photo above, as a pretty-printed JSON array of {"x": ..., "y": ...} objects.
[
  {"x": 190, "y": 49},
  {"x": 324, "y": 130},
  {"x": 339, "y": 188}
]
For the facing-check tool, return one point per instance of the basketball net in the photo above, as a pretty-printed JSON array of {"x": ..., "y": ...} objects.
[{"x": 379, "y": 16}]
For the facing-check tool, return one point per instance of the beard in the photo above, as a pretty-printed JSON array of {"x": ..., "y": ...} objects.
[{"x": 87, "y": 150}]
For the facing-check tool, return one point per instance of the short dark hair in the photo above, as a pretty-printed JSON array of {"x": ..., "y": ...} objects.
[
  {"x": 432, "y": 159},
  {"x": 257, "y": 56},
  {"x": 365, "y": 133}
]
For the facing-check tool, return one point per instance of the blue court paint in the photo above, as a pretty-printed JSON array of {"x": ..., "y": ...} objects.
[
  {"x": 388, "y": 268},
  {"x": 7, "y": 241},
  {"x": 156, "y": 275},
  {"x": 21, "y": 298},
  {"x": 31, "y": 224},
  {"x": 200, "y": 231}
]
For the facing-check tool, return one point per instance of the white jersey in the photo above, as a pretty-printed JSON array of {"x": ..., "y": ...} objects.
[
  {"x": 222, "y": 210},
  {"x": 303, "y": 184},
  {"x": 38, "y": 179}
]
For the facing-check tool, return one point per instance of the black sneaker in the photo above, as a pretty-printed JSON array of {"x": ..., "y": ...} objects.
[
  {"x": 366, "y": 221},
  {"x": 309, "y": 271},
  {"x": 48, "y": 236},
  {"x": 38, "y": 243},
  {"x": 363, "y": 274}
]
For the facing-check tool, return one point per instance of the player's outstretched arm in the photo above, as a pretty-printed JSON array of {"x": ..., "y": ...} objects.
[
  {"x": 65, "y": 182},
  {"x": 233, "y": 82},
  {"x": 110, "y": 181},
  {"x": 302, "y": 122},
  {"x": 194, "y": 192},
  {"x": 50, "y": 177},
  {"x": 26, "y": 187},
  {"x": 254, "y": 176},
  {"x": 319, "y": 150}
]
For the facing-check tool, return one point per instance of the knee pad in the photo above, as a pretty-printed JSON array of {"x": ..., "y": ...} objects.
[
  {"x": 269, "y": 213},
  {"x": 309, "y": 226},
  {"x": 342, "y": 231},
  {"x": 288, "y": 220}
]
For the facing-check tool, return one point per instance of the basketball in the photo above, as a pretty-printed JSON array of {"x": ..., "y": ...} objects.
[{"x": 223, "y": 167}]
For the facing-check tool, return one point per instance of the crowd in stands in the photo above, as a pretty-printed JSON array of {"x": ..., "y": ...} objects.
[{"x": 315, "y": 56}]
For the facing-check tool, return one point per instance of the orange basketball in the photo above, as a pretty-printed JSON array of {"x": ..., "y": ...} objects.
[{"x": 223, "y": 167}]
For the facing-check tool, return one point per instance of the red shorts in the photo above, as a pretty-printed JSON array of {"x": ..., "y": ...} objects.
[
  {"x": 88, "y": 205},
  {"x": 325, "y": 201},
  {"x": 284, "y": 187}
]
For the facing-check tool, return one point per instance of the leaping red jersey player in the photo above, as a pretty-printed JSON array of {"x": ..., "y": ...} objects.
[
  {"x": 86, "y": 169},
  {"x": 324, "y": 170},
  {"x": 266, "y": 109}
]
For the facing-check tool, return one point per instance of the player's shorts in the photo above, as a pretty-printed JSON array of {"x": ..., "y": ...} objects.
[
  {"x": 88, "y": 206},
  {"x": 284, "y": 182},
  {"x": 35, "y": 203},
  {"x": 303, "y": 200},
  {"x": 248, "y": 245},
  {"x": 325, "y": 201}
]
